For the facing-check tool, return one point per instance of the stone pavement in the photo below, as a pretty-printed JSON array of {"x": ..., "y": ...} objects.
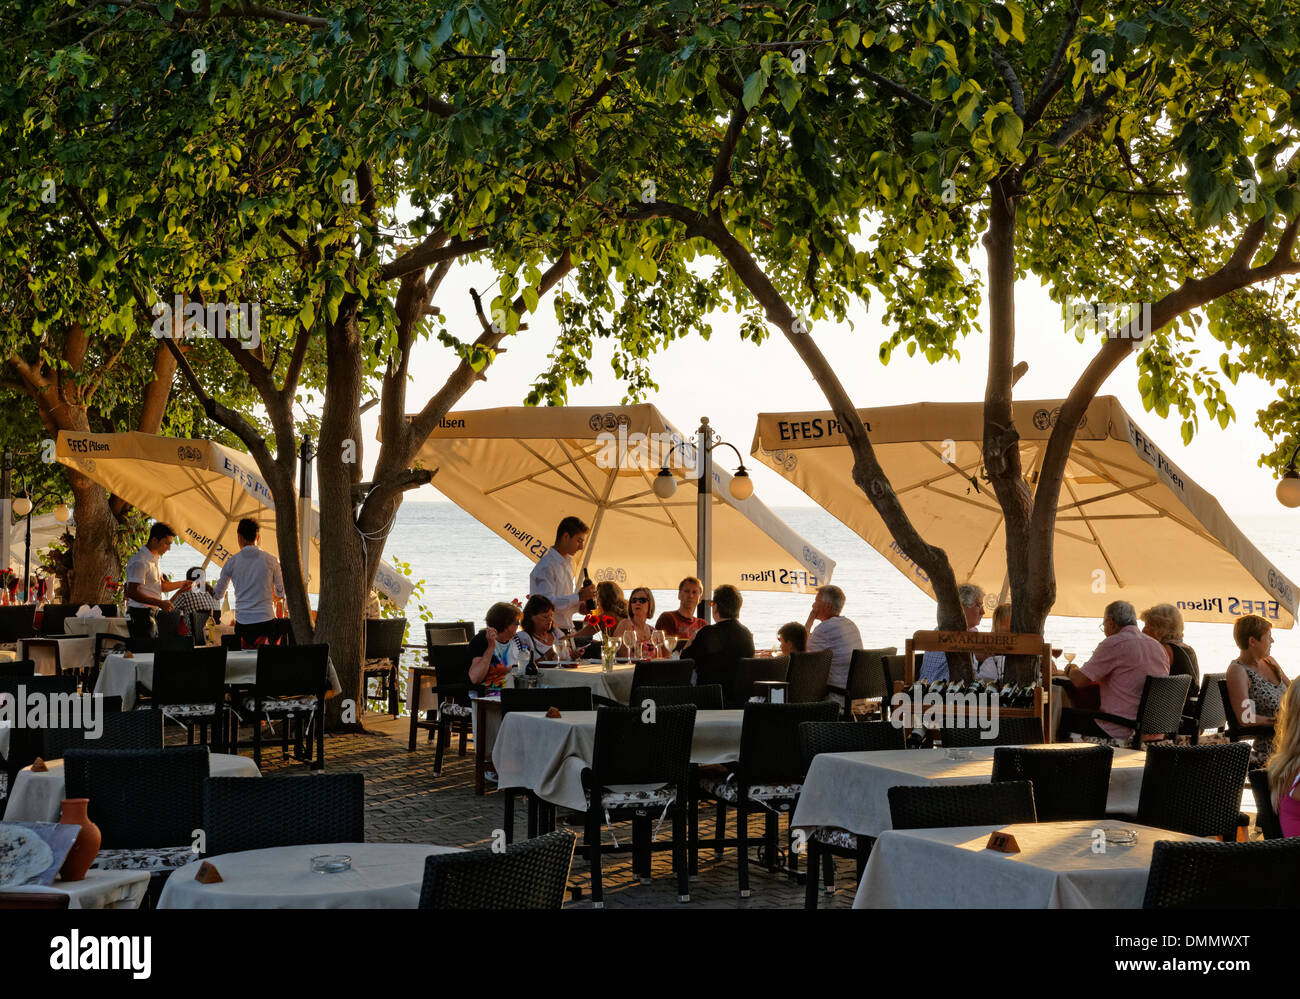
[{"x": 405, "y": 802}]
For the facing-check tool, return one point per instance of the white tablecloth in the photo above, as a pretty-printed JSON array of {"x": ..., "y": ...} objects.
[
  {"x": 851, "y": 790},
  {"x": 548, "y": 755},
  {"x": 98, "y": 890},
  {"x": 615, "y": 685},
  {"x": 38, "y": 797},
  {"x": 74, "y": 653},
  {"x": 91, "y": 626},
  {"x": 119, "y": 675},
  {"x": 1056, "y": 868},
  {"x": 383, "y": 876}
]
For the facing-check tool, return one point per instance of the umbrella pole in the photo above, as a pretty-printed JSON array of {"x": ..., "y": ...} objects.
[
  {"x": 6, "y": 516},
  {"x": 704, "y": 516},
  {"x": 304, "y": 508}
]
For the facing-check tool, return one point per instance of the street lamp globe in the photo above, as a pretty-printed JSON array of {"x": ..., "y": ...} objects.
[
  {"x": 22, "y": 506},
  {"x": 664, "y": 485},
  {"x": 1288, "y": 490},
  {"x": 742, "y": 486},
  {"x": 62, "y": 514}
]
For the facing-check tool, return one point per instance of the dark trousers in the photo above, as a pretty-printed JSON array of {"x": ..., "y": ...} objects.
[
  {"x": 248, "y": 634},
  {"x": 139, "y": 622}
]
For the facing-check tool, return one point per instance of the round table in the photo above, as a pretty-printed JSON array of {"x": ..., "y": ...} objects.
[
  {"x": 91, "y": 626},
  {"x": 383, "y": 876}
]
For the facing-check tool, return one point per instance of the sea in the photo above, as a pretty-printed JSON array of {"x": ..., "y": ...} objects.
[{"x": 462, "y": 568}]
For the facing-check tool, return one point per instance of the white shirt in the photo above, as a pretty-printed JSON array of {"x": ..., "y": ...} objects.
[
  {"x": 840, "y": 635},
  {"x": 143, "y": 569},
  {"x": 256, "y": 575},
  {"x": 552, "y": 577}
]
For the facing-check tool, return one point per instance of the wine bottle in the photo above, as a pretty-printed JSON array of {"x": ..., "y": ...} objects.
[
  {"x": 938, "y": 687},
  {"x": 917, "y": 739},
  {"x": 590, "y": 605}
]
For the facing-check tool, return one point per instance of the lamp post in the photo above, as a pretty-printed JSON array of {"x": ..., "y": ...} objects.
[
  {"x": 742, "y": 487},
  {"x": 23, "y": 508},
  {"x": 1288, "y": 490}
]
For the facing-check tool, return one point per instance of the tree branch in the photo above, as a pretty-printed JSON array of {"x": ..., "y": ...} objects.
[
  {"x": 1013, "y": 82},
  {"x": 722, "y": 165},
  {"x": 1053, "y": 80},
  {"x": 897, "y": 89}
]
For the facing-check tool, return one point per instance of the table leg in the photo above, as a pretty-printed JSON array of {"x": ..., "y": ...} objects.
[{"x": 480, "y": 752}]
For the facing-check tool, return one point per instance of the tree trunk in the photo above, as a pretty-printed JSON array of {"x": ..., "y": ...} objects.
[{"x": 93, "y": 552}]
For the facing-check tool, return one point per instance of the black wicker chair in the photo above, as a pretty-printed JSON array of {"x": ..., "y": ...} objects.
[
  {"x": 707, "y": 697},
  {"x": 20, "y": 668},
  {"x": 16, "y": 622},
  {"x": 241, "y": 813},
  {"x": 384, "y": 638},
  {"x": 628, "y": 750},
  {"x": 1015, "y": 731},
  {"x": 1160, "y": 711},
  {"x": 1068, "y": 783},
  {"x": 1183, "y": 664},
  {"x": 1204, "y": 712},
  {"x": 146, "y": 802},
  {"x": 291, "y": 684},
  {"x": 962, "y": 805},
  {"x": 25, "y": 743},
  {"x": 1261, "y": 875},
  {"x": 824, "y": 844},
  {"x": 455, "y": 710},
  {"x": 53, "y": 616},
  {"x": 447, "y": 633},
  {"x": 766, "y": 779},
  {"x": 122, "y": 730},
  {"x": 189, "y": 688},
  {"x": 1265, "y": 815},
  {"x": 44, "y": 650},
  {"x": 738, "y": 680},
  {"x": 106, "y": 644},
  {"x": 536, "y": 699},
  {"x": 1236, "y": 729},
  {"x": 528, "y": 875},
  {"x": 808, "y": 676},
  {"x": 1194, "y": 789},
  {"x": 660, "y": 673},
  {"x": 868, "y": 678}
]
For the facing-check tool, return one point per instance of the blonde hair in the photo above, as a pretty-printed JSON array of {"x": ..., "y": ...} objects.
[
  {"x": 1167, "y": 620},
  {"x": 609, "y": 598},
  {"x": 1285, "y": 761},
  {"x": 1002, "y": 617}
]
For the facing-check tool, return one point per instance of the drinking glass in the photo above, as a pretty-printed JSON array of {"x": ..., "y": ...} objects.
[
  {"x": 561, "y": 649},
  {"x": 629, "y": 643},
  {"x": 660, "y": 641},
  {"x": 1069, "y": 655}
]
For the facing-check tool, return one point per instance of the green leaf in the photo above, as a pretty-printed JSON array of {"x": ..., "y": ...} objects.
[
  {"x": 446, "y": 28},
  {"x": 1007, "y": 132},
  {"x": 529, "y": 295},
  {"x": 755, "y": 84}
]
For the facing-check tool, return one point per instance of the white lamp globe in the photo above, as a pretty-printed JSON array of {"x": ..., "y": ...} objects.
[
  {"x": 1288, "y": 490},
  {"x": 742, "y": 486},
  {"x": 22, "y": 506},
  {"x": 664, "y": 485},
  {"x": 62, "y": 514}
]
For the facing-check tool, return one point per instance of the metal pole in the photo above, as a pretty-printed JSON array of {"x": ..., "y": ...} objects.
[
  {"x": 27, "y": 561},
  {"x": 704, "y": 517},
  {"x": 6, "y": 506},
  {"x": 304, "y": 508}
]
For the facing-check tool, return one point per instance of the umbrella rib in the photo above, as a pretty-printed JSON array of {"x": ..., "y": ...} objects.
[
  {"x": 949, "y": 466},
  {"x": 550, "y": 466},
  {"x": 600, "y": 515},
  {"x": 987, "y": 508},
  {"x": 663, "y": 505},
  {"x": 1092, "y": 531}
]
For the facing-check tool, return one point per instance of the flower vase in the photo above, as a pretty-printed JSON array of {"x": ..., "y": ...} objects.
[
  {"x": 86, "y": 846},
  {"x": 608, "y": 654}
]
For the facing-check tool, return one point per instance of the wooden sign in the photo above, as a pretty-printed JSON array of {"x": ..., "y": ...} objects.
[{"x": 1002, "y": 842}]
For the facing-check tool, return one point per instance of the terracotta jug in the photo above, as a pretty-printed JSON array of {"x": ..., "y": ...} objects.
[{"x": 86, "y": 848}]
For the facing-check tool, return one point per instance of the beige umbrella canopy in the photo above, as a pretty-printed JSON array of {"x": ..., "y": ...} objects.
[
  {"x": 201, "y": 489},
  {"x": 521, "y": 470},
  {"x": 1131, "y": 524}
]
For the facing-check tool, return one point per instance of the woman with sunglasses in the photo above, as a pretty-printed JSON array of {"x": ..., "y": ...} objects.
[{"x": 640, "y": 609}]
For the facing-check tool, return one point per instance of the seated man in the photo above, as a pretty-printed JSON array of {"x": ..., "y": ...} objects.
[
  {"x": 1120, "y": 667},
  {"x": 935, "y": 664},
  {"x": 717, "y": 648},
  {"x": 833, "y": 632}
]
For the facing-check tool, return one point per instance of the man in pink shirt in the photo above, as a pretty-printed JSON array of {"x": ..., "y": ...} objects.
[{"x": 1120, "y": 666}]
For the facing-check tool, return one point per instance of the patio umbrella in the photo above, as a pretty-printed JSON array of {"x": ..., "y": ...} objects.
[
  {"x": 1131, "y": 524},
  {"x": 521, "y": 470},
  {"x": 200, "y": 488},
  {"x": 45, "y": 531}
]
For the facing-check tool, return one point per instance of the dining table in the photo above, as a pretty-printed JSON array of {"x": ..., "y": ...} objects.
[
  {"x": 1080, "y": 864},
  {"x": 97, "y": 890},
  {"x": 75, "y": 652},
  {"x": 614, "y": 685},
  {"x": 381, "y": 876},
  {"x": 850, "y": 791},
  {"x": 547, "y": 755},
  {"x": 92, "y": 626},
  {"x": 121, "y": 673}
]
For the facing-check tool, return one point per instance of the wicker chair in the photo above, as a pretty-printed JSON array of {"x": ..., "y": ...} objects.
[
  {"x": 146, "y": 802},
  {"x": 808, "y": 676},
  {"x": 122, "y": 730},
  {"x": 1265, "y": 815},
  {"x": 455, "y": 710},
  {"x": 962, "y": 805},
  {"x": 53, "y": 616},
  {"x": 707, "y": 697},
  {"x": 767, "y": 778},
  {"x": 1236, "y": 730},
  {"x": 868, "y": 678},
  {"x": 25, "y": 743},
  {"x": 528, "y": 875},
  {"x": 738, "y": 680},
  {"x": 660, "y": 673},
  {"x": 189, "y": 687},
  {"x": 1194, "y": 789},
  {"x": 384, "y": 637},
  {"x": 291, "y": 684},
  {"x": 447, "y": 633},
  {"x": 628, "y": 750},
  {"x": 1183, "y": 664},
  {"x": 1262, "y": 875},
  {"x": 1014, "y": 731},
  {"x": 16, "y": 622},
  {"x": 240, "y": 813},
  {"x": 18, "y": 668},
  {"x": 1160, "y": 711},
  {"x": 1068, "y": 783},
  {"x": 1204, "y": 712},
  {"x": 536, "y": 699},
  {"x": 825, "y": 843}
]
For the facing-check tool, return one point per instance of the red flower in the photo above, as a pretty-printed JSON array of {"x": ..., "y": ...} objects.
[{"x": 610, "y": 622}]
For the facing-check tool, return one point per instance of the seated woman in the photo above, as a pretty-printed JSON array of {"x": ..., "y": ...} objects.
[
  {"x": 1256, "y": 683},
  {"x": 1284, "y": 766},
  {"x": 609, "y": 603},
  {"x": 641, "y": 606},
  {"x": 536, "y": 636},
  {"x": 493, "y": 651},
  {"x": 793, "y": 637},
  {"x": 1164, "y": 623}
]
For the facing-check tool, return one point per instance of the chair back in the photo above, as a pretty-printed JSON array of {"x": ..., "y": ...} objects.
[
  {"x": 189, "y": 676},
  {"x": 46, "y": 902},
  {"x": 291, "y": 670},
  {"x": 629, "y": 750},
  {"x": 738, "y": 681},
  {"x": 122, "y": 730},
  {"x": 140, "y": 798},
  {"x": 198, "y": 623},
  {"x": 1194, "y": 789},
  {"x": 1013, "y": 731},
  {"x": 1265, "y": 816},
  {"x": 542, "y": 698},
  {"x": 847, "y": 737},
  {"x": 706, "y": 696},
  {"x": 869, "y": 675},
  {"x": 808, "y": 675},
  {"x": 1160, "y": 712},
  {"x": 1259, "y": 875},
  {"x": 1068, "y": 783},
  {"x": 16, "y": 622},
  {"x": 447, "y": 633},
  {"x": 1182, "y": 664},
  {"x": 231, "y": 643},
  {"x": 769, "y": 740},
  {"x": 945, "y": 805},
  {"x": 529, "y": 875},
  {"x": 18, "y": 668},
  {"x": 451, "y": 666},
  {"x": 384, "y": 638},
  {"x": 897, "y": 666},
  {"x": 240, "y": 813},
  {"x": 660, "y": 673},
  {"x": 109, "y": 610},
  {"x": 53, "y": 616},
  {"x": 1209, "y": 704}
]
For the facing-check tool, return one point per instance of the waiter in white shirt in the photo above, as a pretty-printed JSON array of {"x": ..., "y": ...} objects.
[
  {"x": 144, "y": 583},
  {"x": 553, "y": 576},
  {"x": 259, "y": 587}
]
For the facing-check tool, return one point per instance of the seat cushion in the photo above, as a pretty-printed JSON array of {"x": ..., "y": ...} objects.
[
  {"x": 635, "y": 796},
  {"x": 831, "y": 836},
  {"x": 178, "y": 712},
  {"x": 453, "y": 710},
  {"x": 162, "y": 858},
  {"x": 282, "y": 705},
  {"x": 377, "y": 666},
  {"x": 726, "y": 789}
]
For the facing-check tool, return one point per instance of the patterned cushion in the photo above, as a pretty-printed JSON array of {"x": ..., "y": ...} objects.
[
  {"x": 727, "y": 790},
  {"x": 162, "y": 858},
  {"x": 177, "y": 712},
  {"x": 835, "y": 837},
  {"x": 282, "y": 705},
  {"x": 377, "y": 666},
  {"x": 454, "y": 710},
  {"x": 636, "y": 797}
]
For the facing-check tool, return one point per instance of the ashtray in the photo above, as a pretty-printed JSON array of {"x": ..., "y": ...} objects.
[
  {"x": 958, "y": 754},
  {"x": 331, "y": 864},
  {"x": 1121, "y": 837}
]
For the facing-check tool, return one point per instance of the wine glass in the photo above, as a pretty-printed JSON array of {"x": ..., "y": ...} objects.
[
  {"x": 1069, "y": 656},
  {"x": 629, "y": 642},
  {"x": 561, "y": 647},
  {"x": 660, "y": 641}
]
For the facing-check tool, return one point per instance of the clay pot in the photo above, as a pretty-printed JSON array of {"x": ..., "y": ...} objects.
[{"x": 86, "y": 848}]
